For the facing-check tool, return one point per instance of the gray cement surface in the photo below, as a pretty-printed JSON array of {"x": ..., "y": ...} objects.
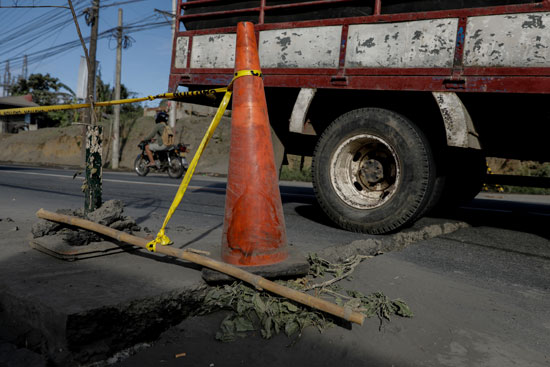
[
  {"x": 476, "y": 310},
  {"x": 480, "y": 294},
  {"x": 86, "y": 310}
]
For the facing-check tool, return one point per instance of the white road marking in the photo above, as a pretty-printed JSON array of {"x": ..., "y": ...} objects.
[
  {"x": 486, "y": 209},
  {"x": 190, "y": 187}
]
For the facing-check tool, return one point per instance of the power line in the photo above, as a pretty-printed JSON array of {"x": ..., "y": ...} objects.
[
  {"x": 33, "y": 57},
  {"x": 33, "y": 6},
  {"x": 17, "y": 43},
  {"x": 38, "y": 27},
  {"x": 48, "y": 21}
]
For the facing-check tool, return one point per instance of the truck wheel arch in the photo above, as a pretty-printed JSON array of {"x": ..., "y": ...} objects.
[{"x": 459, "y": 128}]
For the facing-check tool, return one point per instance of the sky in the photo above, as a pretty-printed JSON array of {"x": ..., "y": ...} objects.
[{"x": 145, "y": 64}]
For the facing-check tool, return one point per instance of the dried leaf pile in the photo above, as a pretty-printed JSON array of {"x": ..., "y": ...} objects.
[{"x": 252, "y": 310}]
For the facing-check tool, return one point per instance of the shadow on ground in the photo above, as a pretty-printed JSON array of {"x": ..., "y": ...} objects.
[
  {"x": 511, "y": 215},
  {"x": 194, "y": 343}
]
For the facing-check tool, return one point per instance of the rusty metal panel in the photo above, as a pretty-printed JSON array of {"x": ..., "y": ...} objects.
[
  {"x": 213, "y": 51},
  {"x": 182, "y": 51},
  {"x": 507, "y": 84},
  {"x": 512, "y": 40},
  {"x": 314, "y": 47},
  {"x": 424, "y": 43}
]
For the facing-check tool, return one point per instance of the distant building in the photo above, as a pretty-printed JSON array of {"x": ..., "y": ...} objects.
[{"x": 16, "y": 123}]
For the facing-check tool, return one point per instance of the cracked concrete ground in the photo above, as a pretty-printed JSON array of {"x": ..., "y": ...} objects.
[
  {"x": 84, "y": 311},
  {"x": 485, "y": 285}
]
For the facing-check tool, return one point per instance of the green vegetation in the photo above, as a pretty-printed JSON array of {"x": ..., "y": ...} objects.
[
  {"x": 526, "y": 190},
  {"x": 105, "y": 92},
  {"x": 47, "y": 90},
  {"x": 295, "y": 174},
  {"x": 531, "y": 169},
  {"x": 251, "y": 309},
  {"x": 297, "y": 169}
]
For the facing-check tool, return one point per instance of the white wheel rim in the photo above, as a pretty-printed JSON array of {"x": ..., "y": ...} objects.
[{"x": 365, "y": 171}]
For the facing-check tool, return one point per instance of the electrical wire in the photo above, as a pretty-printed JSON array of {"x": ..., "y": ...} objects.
[
  {"x": 20, "y": 40},
  {"x": 33, "y": 57},
  {"x": 41, "y": 26}
]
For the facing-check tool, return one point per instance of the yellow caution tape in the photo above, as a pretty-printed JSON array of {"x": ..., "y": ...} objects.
[
  {"x": 25, "y": 110},
  {"x": 162, "y": 239},
  {"x": 240, "y": 73},
  {"x": 177, "y": 95}
]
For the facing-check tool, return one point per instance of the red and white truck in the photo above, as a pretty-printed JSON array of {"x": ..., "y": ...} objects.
[{"x": 399, "y": 102}]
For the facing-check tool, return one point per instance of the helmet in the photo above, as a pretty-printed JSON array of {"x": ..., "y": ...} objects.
[{"x": 161, "y": 117}]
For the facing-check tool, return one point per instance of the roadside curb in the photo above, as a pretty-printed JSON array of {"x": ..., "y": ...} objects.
[
  {"x": 67, "y": 336},
  {"x": 394, "y": 242}
]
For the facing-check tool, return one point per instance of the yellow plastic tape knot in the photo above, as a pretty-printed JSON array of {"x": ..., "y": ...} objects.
[
  {"x": 161, "y": 239},
  {"x": 164, "y": 240},
  {"x": 152, "y": 246}
]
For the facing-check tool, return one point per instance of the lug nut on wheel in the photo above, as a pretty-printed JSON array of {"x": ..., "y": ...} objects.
[{"x": 372, "y": 171}]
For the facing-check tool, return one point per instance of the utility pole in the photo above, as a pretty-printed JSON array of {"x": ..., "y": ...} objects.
[
  {"x": 94, "y": 19},
  {"x": 4, "y": 83},
  {"x": 116, "y": 124},
  {"x": 25, "y": 68},
  {"x": 173, "y": 104},
  {"x": 94, "y": 135},
  {"x": 7, "y": 80}
]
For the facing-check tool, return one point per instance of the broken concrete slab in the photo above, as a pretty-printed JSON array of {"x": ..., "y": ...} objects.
[
  {"x": 81, "y": 312},
  {"x": 109, "y": 212},
  {"x": 12, "y": 356},
  {"x": 57, "y": 239},
  {"x": 44, "y": 227},
  {"x": 62, "y": 249},
  {"x": 84, "y": 311},
  {"x": 78, "y": 335},
  {"x": 394, "y": 242}
]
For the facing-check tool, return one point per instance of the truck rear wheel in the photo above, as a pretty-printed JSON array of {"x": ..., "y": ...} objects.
[{"x": 373, "y": 171}]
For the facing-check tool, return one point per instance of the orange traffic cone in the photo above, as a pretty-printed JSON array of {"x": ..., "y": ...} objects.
[{"x": 254, "y": 232}]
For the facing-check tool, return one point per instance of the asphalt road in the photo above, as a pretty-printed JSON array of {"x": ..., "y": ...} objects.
[
  {"x": 480, "y": 295},
  {"x": 147, "y": 199}
]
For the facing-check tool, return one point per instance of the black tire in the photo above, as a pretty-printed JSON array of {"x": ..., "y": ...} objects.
[
  {"x": 432, "y": 205},
  {"x": 176, "y": 169},
  {"x": 140, "y": 165},
  {"x": 373, "y": 171}
]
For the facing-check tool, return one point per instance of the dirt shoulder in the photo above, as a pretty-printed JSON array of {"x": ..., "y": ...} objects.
[{"x": 63, "y": 146}]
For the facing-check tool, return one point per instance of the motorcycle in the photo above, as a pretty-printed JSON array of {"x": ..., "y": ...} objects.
[{"x": 171, "y": 160}]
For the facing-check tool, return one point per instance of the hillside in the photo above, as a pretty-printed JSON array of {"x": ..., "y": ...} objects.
[{"x": 62, "y": 146}]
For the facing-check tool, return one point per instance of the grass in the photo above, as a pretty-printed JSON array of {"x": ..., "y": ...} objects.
[
  {"x": 526, "y": 190},
  {"x": 295, "y": 174},
  {"x": 532, "y": 169}
]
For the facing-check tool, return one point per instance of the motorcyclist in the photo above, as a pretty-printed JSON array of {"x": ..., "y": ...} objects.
[{"x": 155, "y": 138}]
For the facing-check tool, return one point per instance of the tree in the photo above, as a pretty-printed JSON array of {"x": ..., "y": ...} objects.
[
  {"x": 46, "y": 91},
  {"x": 105, "y": 92}
]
